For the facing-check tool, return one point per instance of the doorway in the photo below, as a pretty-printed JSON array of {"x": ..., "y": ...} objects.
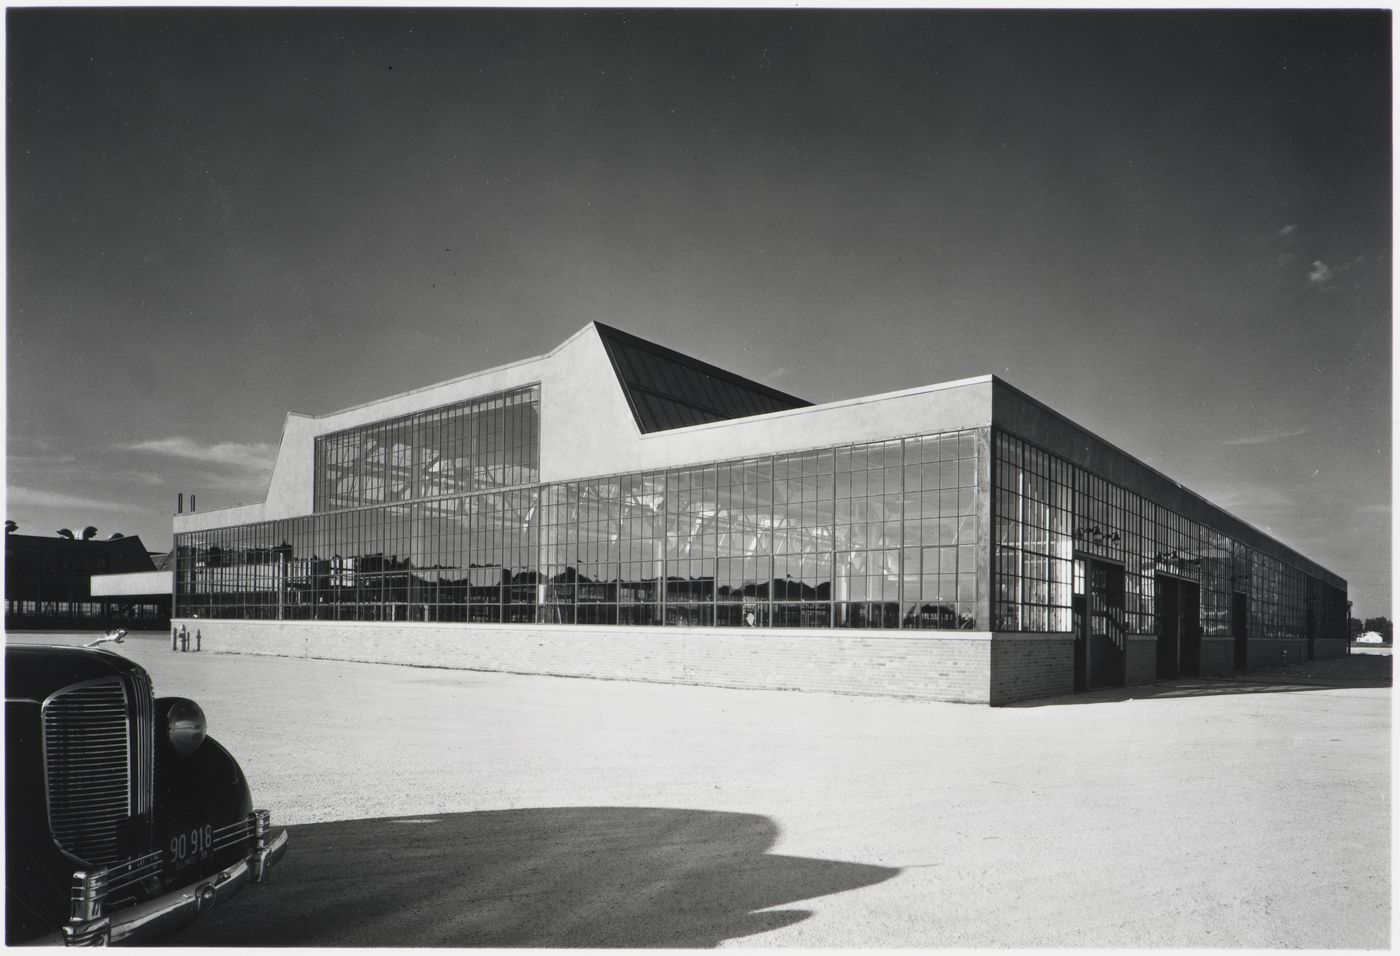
[
  {"x": 1239, "y": 629},
  {"x": 1178, "y": 628},
  {"x": 1100, "y": 650}
]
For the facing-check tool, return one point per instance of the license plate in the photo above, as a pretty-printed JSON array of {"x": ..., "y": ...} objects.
[{"x": 190, "y": 846}]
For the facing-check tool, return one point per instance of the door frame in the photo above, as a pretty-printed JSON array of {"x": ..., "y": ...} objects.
[
  {"x": 1082, "y": 618},
  {"x": 1181, "y": 624},
  {"x": 1239, "y": 628}
]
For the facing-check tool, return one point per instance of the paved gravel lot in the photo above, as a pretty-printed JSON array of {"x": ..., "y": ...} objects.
[{"x": 435, "y": 807}]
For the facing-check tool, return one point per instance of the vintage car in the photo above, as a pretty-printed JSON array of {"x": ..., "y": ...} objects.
[{"x": 123, "y": 818}]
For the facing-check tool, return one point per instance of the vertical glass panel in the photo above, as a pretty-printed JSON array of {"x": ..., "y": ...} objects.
[{"x": 487, "y": 442}]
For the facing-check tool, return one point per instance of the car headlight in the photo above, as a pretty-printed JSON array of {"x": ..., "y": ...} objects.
[{"x": 185, "y": 725}]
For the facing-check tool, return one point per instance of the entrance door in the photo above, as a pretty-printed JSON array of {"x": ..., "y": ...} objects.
[
  {"x": 1168, "y": 628},
  {"x": 1100, "y": 651},
  {"x": 1178, "y": 628},
  {"x": 1108, "y": 656},
  {"x": 1081, "y": 641},
  {"x": 1239, "y": 629},
  {"x": 1190, "y": 629}
]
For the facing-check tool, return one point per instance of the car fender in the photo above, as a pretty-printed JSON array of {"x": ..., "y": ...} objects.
[{"x": 195, "y": 795}]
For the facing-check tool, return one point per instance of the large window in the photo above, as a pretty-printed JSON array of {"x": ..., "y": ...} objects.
[
  {"x": 484, "y": 443},
  {"x": 1048, "y": 511},
  {"x": 1034, "y": 543},
  {"x": 872, "y": 535}
]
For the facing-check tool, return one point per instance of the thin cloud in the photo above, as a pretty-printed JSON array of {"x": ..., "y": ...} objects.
[
  {"x": 1267, "y": 438},
  {"x": 32, "y": 468},
  {"x": 139, "y": 477},
  {"x": 238, "y": 482},
  {"x": 41, "y": 459},
  {"x": 1261, "y": 501},
  {"x": 253, "y": 457},
  {"x": 37, "y": 498},
  {"x": 1321, "y": 273},
  {"x": 25, "y": 443},
  {"x": 1294, "y": 246}
]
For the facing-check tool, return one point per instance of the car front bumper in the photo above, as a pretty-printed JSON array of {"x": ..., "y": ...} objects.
[{"x": 134, "y": 925}]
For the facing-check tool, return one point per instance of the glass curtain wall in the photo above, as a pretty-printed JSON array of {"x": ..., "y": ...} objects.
[
  {"x": 1048, "y": 510},
  {"x": 873, "y": 535},
  {"x": 490, "y": 442}
]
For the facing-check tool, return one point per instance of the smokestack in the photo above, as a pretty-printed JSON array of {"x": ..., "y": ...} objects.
[{"x": 180, "y": 503}]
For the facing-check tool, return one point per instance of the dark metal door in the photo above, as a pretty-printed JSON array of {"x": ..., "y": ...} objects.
[
  {"x": 1190, "y": 629},
  {"x": 1168, "y": 627},
  {"x": 1239, "y": 629},
  {"x": 1107, "y": 642},
  {"x": 1081, "y": 641}
]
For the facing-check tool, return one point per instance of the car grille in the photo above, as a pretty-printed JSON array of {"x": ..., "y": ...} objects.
[
  {"x": 143, "y": 731},
  {"x": 99, "y": 784}
]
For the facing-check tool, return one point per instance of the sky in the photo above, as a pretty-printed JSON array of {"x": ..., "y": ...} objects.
[{"x": 1173, "y": 227}]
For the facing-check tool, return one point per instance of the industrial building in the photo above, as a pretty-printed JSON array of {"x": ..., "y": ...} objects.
[
  {"x": 614, "y": 509},
  {"x": 70, "y": 583}
]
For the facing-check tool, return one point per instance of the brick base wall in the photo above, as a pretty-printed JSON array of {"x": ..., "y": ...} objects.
[
  {"x": 1142, "y": 659},
  {"x": 1270, "y": 653},
  {"x": 1323, "y": 649},
  {"x": 1027, "y": 666},
  {"x": 941, "y": 665},
  {"x": 963, "y": 666},
  {"x": 1217, "y": 657}
]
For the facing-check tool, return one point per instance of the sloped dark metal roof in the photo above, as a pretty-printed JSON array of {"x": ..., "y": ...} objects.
[
  {"x": 122, "y": 556},
  {"x": 666, "y": 389}
]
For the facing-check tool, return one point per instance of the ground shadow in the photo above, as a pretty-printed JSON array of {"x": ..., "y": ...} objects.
[
  {"x": 1201, "y": 687},
  {"x": 565, "y": 877}
]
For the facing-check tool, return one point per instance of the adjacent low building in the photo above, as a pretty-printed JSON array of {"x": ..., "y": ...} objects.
[
  {"x": 615, "y": 509},
  {"x": 63, "y": 583}
]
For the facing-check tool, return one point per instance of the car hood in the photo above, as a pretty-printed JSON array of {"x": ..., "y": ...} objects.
[{"x": 33, "y": 671}]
